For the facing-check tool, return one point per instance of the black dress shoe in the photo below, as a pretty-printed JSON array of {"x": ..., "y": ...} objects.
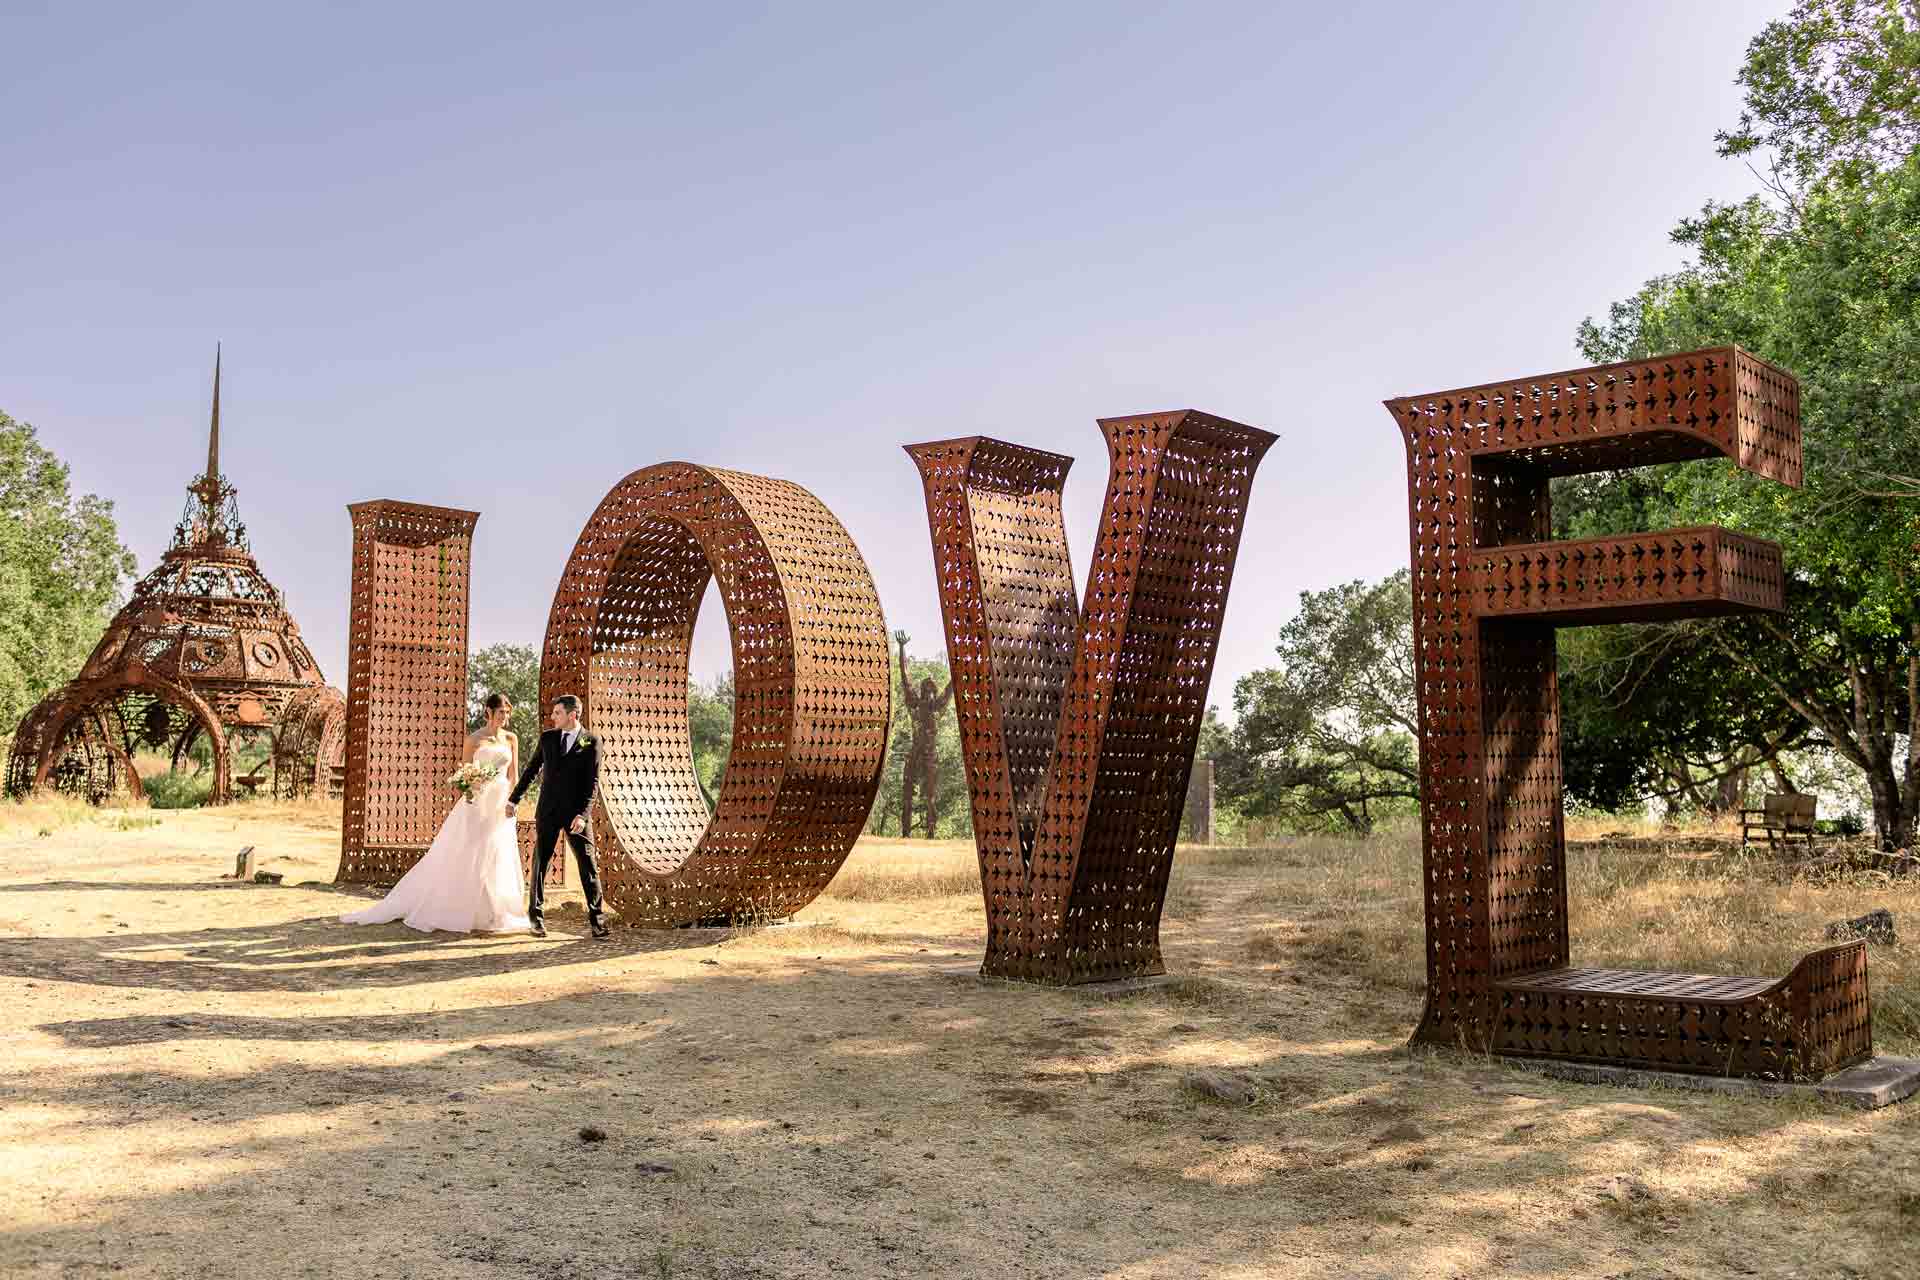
[
  {"x": 538, "y": 930},
  {"x": 600, "y": 929}
]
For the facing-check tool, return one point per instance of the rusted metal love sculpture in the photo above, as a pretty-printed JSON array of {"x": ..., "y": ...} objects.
[
  {"x": 810, "y": 678},
  {"x": 1489, "y": 588},
  {"x": 811, "y": 691},
  {"x": 406, "y": 682},
  {"x": 1078, "y": 726}
]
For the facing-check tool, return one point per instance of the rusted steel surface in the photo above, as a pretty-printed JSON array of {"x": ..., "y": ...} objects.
[
  {"x": 311, "y": 738},
  {"x": 204, "y": 648},
  {"x": 406, "y": 720},
  {"x": 811, "y": 690},
  {"x": 1804, "y": 1026},
  {"x": 526, "y": 833},
  {"x": 1489, "y": 588},
  {"x": 1078, "y": 726},
  {"x": 1677, "y": 573},
  {"x": 1720, "y": 402}
]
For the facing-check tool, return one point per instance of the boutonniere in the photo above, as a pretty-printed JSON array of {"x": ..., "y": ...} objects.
[{"x": 584, "y": 740}]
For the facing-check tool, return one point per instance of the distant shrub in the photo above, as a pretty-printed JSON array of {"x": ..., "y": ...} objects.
[
  {"x": 177, "y": 790},
  {"x": 1847, "y": 824}
]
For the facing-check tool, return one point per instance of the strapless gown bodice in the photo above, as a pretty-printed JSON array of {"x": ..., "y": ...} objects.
[{"x": 468, "y": 881}]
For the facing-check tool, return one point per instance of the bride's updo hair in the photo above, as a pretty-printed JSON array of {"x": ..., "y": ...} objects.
[{"x": 499, "y": 702}]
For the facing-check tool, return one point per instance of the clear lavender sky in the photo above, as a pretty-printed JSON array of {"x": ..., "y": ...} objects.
[{"x": 497, "y": 256}]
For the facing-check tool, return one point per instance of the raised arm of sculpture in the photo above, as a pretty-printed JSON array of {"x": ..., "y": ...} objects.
[{"x": 907, "y": 694}]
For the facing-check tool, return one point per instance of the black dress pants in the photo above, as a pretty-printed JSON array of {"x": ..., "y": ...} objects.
[{"x": 546, "y": 830}]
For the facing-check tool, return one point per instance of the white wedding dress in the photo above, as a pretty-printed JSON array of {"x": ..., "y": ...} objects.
[{"x": 468, "y": 881}]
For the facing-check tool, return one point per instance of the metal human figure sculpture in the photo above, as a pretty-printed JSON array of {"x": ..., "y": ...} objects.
[
  {"x": 205, "y": 650},
  {"x": 1490, "y": 587},
  {"x": 1078, "y": 726},
  {"x": 924, "y": 710}
]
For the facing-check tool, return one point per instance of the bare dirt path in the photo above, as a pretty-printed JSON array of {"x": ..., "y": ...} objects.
[{"x": 201, "y": 1079}]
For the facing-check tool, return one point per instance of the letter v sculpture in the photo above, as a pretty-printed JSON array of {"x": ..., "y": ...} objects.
[
  {"x": 1078, "y": 726},
  {"x": 1489, "y": 589}
]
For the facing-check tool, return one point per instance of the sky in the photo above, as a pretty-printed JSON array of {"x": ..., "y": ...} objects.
[{"x": 497, "y": 257}]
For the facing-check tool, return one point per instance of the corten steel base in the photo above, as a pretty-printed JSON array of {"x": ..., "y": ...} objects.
[
  {"x": 811, "y": 693},
  {"x": 1113, "y": 989},
  {"x": 1877, "y": 1082},
  {"x": 1489, "y": 589},
  {"x": 1078, "y": 727},
  {"x": 203, "y": 650},
  {"x": 406, "y": 683}
]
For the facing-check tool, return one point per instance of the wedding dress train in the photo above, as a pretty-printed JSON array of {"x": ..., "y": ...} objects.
[{"x": 468, "y": 881}]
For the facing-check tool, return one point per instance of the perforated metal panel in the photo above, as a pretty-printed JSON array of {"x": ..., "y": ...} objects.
[
  {"x": 810, "y": 683},
  {"x": 1078, "y": 726},
  {"x": 1489, "y": 588},
  {"x": 406, "y": 683}
]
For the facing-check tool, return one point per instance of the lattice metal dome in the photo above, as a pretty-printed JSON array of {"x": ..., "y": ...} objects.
[{"x": 205, "y": 647}]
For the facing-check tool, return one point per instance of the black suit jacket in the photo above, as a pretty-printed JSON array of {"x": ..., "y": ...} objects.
[{"x": 568, "y": 779}]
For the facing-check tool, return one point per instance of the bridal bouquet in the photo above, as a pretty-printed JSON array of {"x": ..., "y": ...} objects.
[{"x": 469, "y": 778}]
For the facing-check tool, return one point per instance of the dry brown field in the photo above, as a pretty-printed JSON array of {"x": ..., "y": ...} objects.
[{"x": 206, "y": 1079}]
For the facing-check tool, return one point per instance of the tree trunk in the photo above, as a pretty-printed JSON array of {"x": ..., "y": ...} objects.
[
  {"x": 1781, "y": 779},
  {"x": 1683, "y": 792},
  {"x": 1893, "y": 814},
  {"x": 1864, "y": 734},
  {"x": 1727, "y": 792},
  {"x": 1905, "y": 832},
  {"x": 1874, "y": 732}
]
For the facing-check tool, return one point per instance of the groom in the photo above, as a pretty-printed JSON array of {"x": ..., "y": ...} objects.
[{"x": 568, "y": 765}]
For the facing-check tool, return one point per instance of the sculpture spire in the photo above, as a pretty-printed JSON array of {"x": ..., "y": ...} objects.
[
  {"x": 213, "y": 433},
  {"x": 211, "y": 516}
]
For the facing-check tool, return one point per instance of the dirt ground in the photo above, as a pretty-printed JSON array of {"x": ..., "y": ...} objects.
[{"x": 205, "y": 1079}]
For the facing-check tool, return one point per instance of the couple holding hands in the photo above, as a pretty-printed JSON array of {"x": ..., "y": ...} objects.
[{"x": 468, "y": 881}]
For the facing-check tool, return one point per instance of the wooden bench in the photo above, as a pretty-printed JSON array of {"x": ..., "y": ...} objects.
[{"x": 1782, "y": 819}]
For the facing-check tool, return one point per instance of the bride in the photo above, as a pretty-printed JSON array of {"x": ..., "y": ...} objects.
[{"x": 468, "y": 881}]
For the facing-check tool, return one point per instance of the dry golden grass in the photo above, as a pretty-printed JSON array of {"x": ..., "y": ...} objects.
[
  {"x": 209, "y": 1080},
  {"x": 895, "y": 870},
  {"x": 44, "y": 813},
  {"x": 1355, "y": 906}
]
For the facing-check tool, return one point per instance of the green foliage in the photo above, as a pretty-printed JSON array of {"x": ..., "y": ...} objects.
[
  {"x": 1832, "y": 89},
  {"x": 1328, "y": 739},
  {"x": 62, "y": 569},
  {"x": 1824, "y": 281},
  {"x": 512, "y": 669},
  {"x": 1652, "y": 711},
  {"x": 1833, "y": 295},
  {"x": 167, "y": 790},
  {"x": 710, "y": 717}
]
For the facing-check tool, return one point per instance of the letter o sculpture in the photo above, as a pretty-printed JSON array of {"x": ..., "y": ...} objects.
[{"x": 812, "y": 696}]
